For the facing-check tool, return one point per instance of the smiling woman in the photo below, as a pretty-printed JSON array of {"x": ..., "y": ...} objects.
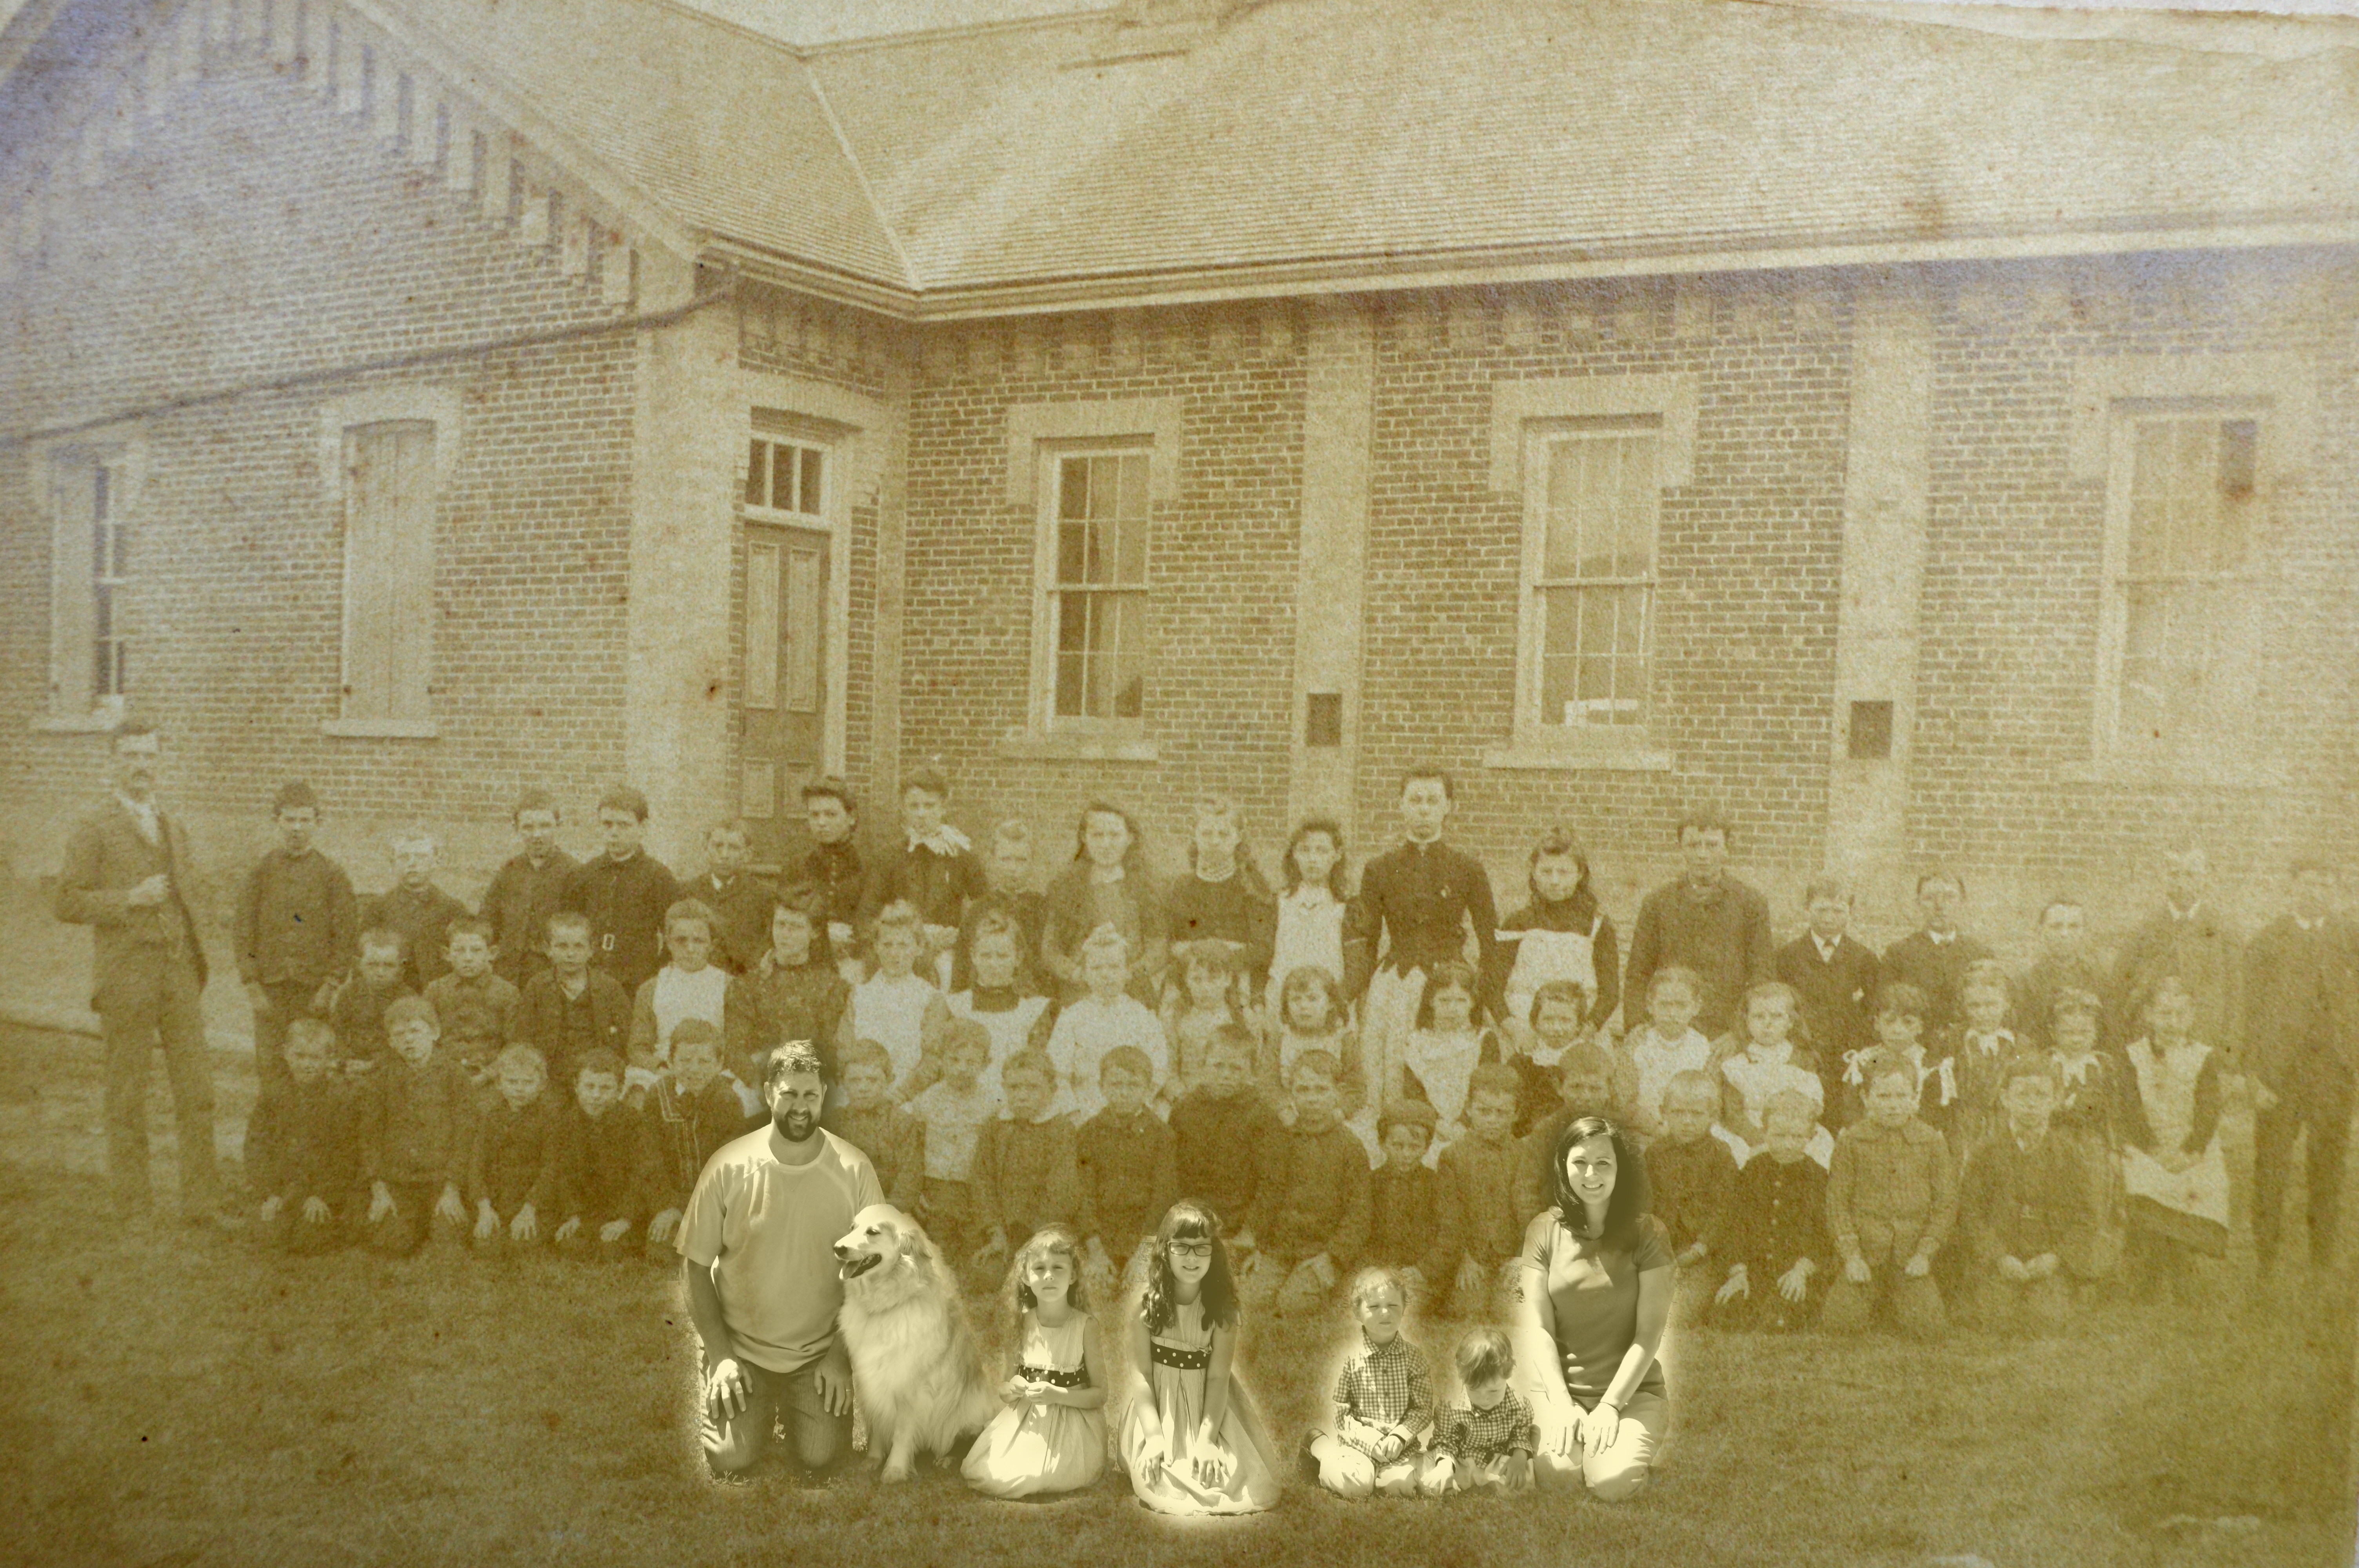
[{"x": 1596, "y": 1291}]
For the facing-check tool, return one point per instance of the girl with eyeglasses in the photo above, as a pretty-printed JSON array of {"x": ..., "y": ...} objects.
[{"x": 1191, "y": 1438}]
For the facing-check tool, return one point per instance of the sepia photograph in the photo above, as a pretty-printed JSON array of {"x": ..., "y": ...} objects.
[{"x": 1172, "y": 781}]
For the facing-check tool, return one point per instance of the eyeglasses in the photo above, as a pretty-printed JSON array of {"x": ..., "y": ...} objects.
[{"x": 1189, "y": 1248}]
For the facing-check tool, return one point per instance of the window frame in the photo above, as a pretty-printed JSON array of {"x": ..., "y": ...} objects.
[
  {"x": 440, "y": 407},
  {"x": 73, "y": 702},
  {"x": 815, "y": 517},
  {"x": 1043, "y": 719},
  {"x": 2127, "y": 415},
  {"x": 1538, "y": 742}
]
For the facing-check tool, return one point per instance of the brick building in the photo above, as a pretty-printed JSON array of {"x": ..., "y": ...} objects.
[{"x": 1929, "y": 443}]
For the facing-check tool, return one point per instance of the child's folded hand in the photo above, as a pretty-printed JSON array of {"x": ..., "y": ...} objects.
[
  {"x": 614, "y": 1230},
  {"x": 1519, "y": 1472},
  {"x": 570, "y": 1229},
  {"x": 1795, "y": 1283},
  {"x": 380, "y": 1203},
  {"x": 1857, "y": 1272},
  {"x": 1917, "y": 1266},
  {"x": 1735, "y": 1285},
  {"x": 451, "y": 1208},
  {"x": 315, "y": 1210}
]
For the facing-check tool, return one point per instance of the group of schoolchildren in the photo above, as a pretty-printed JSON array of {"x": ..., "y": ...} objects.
[{"x": 1362, "y": 1085}]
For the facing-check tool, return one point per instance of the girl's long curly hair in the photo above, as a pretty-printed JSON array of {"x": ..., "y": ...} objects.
[
  {"x": 1159, "y": 1301},
  {"x": 1049, "y": 1238}
]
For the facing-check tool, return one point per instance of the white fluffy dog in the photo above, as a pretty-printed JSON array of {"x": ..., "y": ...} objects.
[{"x": 916, "y": 1368}]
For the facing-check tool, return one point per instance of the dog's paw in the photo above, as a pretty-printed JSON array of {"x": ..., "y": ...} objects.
[{"x": 898, "y": 1468}]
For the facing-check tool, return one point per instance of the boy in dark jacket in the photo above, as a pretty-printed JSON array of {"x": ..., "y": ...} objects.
[
  {"x": 416, "y": 1119},
  {"x": 302, "y": 1148}
]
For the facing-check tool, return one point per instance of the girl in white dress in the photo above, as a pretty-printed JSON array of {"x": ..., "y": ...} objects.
[
  {"x": 1053, "y": 1435},
  {"x": 1310, "y": 912},
  {"x": 898, "y": 1007},
  {"x": 1190, "y": 1439},
  {"x": 1764, "y": 1062}
]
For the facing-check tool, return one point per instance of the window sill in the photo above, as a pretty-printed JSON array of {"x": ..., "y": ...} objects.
[
  {"x": 1077, "y": 749},
  {"x": 383, "y": 728},
  {"x": 77, "y": 724},
  {"x": 1623, "y": 759},
  {"x": 2132, "y": 772}
]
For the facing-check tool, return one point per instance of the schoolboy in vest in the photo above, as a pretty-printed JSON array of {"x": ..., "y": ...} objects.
[
  {"x": 623, "y": 891},
  {"x": 297, "y": 928},
  {"x": 477, "y": 1009}
]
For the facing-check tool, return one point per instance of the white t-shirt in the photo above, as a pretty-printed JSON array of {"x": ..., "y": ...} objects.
[{"x": 767, "y": 1229}]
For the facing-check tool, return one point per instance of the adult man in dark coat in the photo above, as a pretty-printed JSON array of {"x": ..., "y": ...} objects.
[
  {"x": 127, "y": 876},
  {"x": 2191, "y": 939},
  {"x": 2301, "y": 1012}
]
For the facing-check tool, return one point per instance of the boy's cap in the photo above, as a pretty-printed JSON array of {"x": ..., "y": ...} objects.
[
  {"x": 295, "y": 795},
  {"x": 1407, "y": 1113}
]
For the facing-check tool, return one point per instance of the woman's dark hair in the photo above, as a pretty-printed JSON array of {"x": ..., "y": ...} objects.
[
  {"x": 1630, "y": 1199},
  {"x": 1217, "y": 1295},
  {"x": 1336, "y": 883}
]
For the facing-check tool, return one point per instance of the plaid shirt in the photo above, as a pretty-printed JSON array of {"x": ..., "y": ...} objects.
[
  {"x": 1385, "y": 1386},
  {"x": 1477, "y": 1437}
]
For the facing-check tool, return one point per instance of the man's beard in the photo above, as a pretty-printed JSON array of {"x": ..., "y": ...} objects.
[{"x": 794, "y": 1126}]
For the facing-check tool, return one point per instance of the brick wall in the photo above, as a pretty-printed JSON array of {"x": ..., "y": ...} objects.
[
  {"x": 255, "y": 232},
  {"x": 2003, "y": 772},
  {"x": 1220, "y": 562}
]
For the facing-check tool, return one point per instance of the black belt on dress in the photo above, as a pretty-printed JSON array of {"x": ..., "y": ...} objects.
[
  {"x": 1079, "y": 1378},
  {"x": 1181, "y": 1360}
]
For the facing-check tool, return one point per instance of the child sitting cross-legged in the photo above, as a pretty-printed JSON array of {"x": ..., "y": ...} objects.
[
  {"x": 303, "y": 1148},
  {"x": 868, "y": 1118},
  {"x": 1053, "y": 1435},
  {"x": 1488, "y": 1441},
  {"x": 604, "y": 1163},
  {"x": 416, "y": 1115},
  {"x": 1383, "y": 1403},
  {"x": 1773, "y": 1229}
]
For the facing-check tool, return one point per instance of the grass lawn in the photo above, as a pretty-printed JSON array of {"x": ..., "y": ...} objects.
[{"x": 175, "y": 1398}]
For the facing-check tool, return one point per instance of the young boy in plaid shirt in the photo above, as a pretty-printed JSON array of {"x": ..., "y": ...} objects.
[
  {"x": 1487, "y": 1441},
  {"x": 1384, "y": 1401}
]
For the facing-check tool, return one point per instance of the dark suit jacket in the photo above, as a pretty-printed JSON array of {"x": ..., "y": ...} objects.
[
  {"x": 107, "y": 857},
  {"x": 2302, "y": 1000}
]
